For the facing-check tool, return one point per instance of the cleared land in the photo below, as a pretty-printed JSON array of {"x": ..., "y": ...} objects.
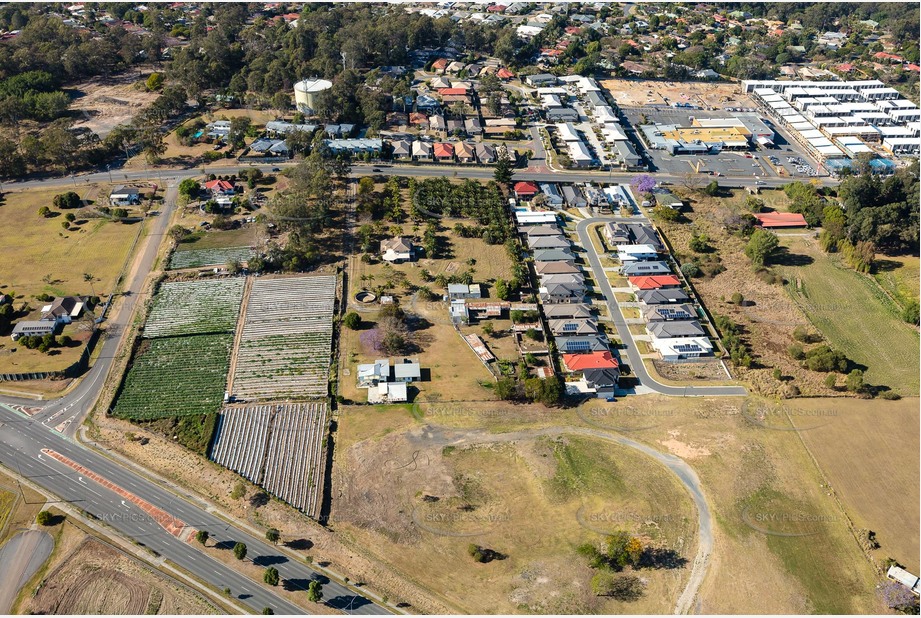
[
  {"x": 175, "y": 376},
  {"x": 707, "y": 95},
  {"x": 285, "y": 346},
  {"x": 195, "y": 307},
  {"x": 279, "y": 446},
  {"x": 855, "y": 316},
  {"x": 877, "y": 495},
  {"x": 416, "y": 494},
  {"x": 99, "y": 579},
  {"x": 105, "y": 103},
  {"x": 39, "y": 256}
]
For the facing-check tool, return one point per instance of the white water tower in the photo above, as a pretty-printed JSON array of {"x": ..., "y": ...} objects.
[{"x": 306, "y": 91}]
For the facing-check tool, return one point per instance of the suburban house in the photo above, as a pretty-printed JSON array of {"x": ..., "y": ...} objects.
[
  {"x": 464, "y": 152},
  {"x": 636, "y": 253},
  {"x": 397, "y": 249},
  {"x": 554, "y": 255},
  {"x": 459, "y": 311},
  {"x": 668, "y": 313},
  {"x": 220, "y": 187},
  {"x": 675, "y": 349},
  {"x": 572, "y": 326},
  {"x": 635, "y": 269},
  {"x": 420, "y": 120},
  {"x": 525, "y": 190},
  {"x": 437, "y": 123},
  {"x": 573, "y": 197},
  {"x": 472, "y": 126},
  {"x": 124, "y": 196},
  {"x": 562, "y": 114},
  {"x": 371, "y": 374},
  {"x": 427, "y": 102},
  {"x": 63, "y": 309},
  {"x": 585, "y": 343},
  {"x": 422, "y": 151},
  {"x": 402, "y": 149},
  {"x": 552, "y": 195},
  {"x": 444, "y": 151},
  {"x": 556, "y": 268},
  {"x": 561, "y": 293},
  {"x": 32, "y": 328},
  {"x": 543, "y": 230},
  {"x": 571, "y": 311},
  {"x": 671, "y": 330},
  {"x": 668, "y": 200},
  {"x": 541, "y": 79},
  {"x": 773, "y": 220},
  {"x": 602, "y": 381},
  {"x": 632, "y": 234},
  {"x": 462, "y": 290},
  {"x": 573, "y": 278},
  {"x": 454, "y": 126},
  {"x": 486, "y": 153},
  {"x": 654, "y": 282},
  {"x": 616, "y": 233},
  {"x": 407, "y": 371},
  {"x": 548, "y": 242},
  {"x": 662, "y": 296}
]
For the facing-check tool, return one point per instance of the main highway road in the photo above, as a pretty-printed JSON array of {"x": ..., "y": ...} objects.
[{"x": 22, "y": 437}]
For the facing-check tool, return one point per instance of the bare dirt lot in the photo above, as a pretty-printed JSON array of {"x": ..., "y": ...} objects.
[
  {"x": 707, "y": 95},
  {"x": 106, "y": 103},
  {"x": 99, "y": 579},
  {"x": 420, "y": 494}
]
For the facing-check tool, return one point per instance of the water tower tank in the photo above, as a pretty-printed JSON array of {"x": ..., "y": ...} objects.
[{"x": 306, "y": 91}]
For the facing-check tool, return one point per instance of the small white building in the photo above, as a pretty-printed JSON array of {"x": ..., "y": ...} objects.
[
  {"x": 681, "y": 348},
  {"x": 636, "y": 253},
  {"x": 397, "y": 249},
  {"x": 407, "y": 371},
  {"x": 371, "y": 374}
]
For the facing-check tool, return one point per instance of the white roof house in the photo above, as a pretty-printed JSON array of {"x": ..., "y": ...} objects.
[
  {"x": 407, "y": 371},
  {"x": 905, "y": 578},
  {"x": 388, "y": 392},
  {"x": 678, "y": 348},
  {"x": 372, "y": 373}
]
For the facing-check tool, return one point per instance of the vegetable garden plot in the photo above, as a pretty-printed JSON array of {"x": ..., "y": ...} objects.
[
  {"x": 193, "y": 258},
  {"x": 284, "y": 350},
  {"x": 176, "y": 376},
  {"x": 195, "y": 307},
  {"x": 277, "y": 446}
]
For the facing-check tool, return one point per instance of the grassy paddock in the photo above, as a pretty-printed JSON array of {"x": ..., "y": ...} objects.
[{"x": 855, "y": 316}]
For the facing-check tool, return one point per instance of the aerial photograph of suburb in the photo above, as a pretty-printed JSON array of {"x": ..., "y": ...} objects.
[{"x": 486, "y": 308}]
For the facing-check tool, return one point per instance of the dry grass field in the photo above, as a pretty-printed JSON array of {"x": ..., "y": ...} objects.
[
  {"x": 105, "y": 103},
  {"x": 880, "y": 492},
  {"x": 41, "y": 257},
  {"x": 96, "y": 578},
  {"x": 416, "y": 494}
]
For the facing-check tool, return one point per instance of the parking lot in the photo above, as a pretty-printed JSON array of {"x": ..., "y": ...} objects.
[{"x": 784, "y": 160}]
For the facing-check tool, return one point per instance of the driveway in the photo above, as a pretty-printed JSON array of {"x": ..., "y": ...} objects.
[
  {"x": 20, "y": 558},
  {"x": 633, "y": 353}
]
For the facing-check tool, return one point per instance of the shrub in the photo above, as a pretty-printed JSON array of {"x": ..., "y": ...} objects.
[
  {"x": 315, "y": 591},
  {"x": 201, "y": 536},
  {"x": 796, "y": 351},
  {"x": 44, "y": 211},
  {"x": 238, "y": 491},
  {"x": 778, "y": 374},
  {"x": 664, "y": 213},
  {"x": 270, "y": 576},
  {"x": 352, "y": 320},
  {"x": 70, "y": 217},
  {"x": 272, "y": 535},
  {"x": 891, "y": 395},
  {"x": 760, "y": 247},
  {"x": 854, "y": 382},
  {"x": 690, "y": 270},
  {"x": 823, "y": 358},
  {"x": 698, "y": 243},
  {"x": 44, "y": 518},
  {"x": 737, "y": 298},
  {"x": 831, "y": 380},
  {"x": 801, "y": 333}
]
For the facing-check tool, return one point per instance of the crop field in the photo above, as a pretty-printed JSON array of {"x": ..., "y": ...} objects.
[
  {"x": 176, "y": 376},
  {"x": 277, "y": 446},
  {"x": 192, "y": 258},
  {"x": 285, "y": 345},
  {"x": 856, "y": 317},
  {"x": 195, "y": 307}
]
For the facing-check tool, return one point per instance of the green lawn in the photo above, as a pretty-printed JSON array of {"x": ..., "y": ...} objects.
[
  {"x": 218, "y": 239},
  {"x": 856, "y": 317}
]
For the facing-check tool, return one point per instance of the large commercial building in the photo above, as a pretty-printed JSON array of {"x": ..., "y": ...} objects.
[
  {"x": 306, "y": 91},
  {"x": 838, "y": 120}
]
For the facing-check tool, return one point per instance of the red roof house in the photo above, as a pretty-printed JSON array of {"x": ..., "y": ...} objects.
[
  {"x": 525, "y": 189},
  {"x": 887, "y": 56},
  {"x": 495, "y": 8},
  {"x": 219, "y": 186},
  {"x": 846, "y": 67},
  {"x": 780, "y": 219},
  {"x": 589, "y": 360},
  {"x": 654, "y": 282},
  {"x": 504, "y": 73},
  {"x": 443, "y": 150},
  {"x": 452, "y": 91},
  {"x": 913, "y": 67}
]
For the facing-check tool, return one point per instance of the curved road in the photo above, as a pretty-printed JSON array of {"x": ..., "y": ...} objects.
[
  {"x": 623, "y": 331},
  {"x": 677, "y": 466}
]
